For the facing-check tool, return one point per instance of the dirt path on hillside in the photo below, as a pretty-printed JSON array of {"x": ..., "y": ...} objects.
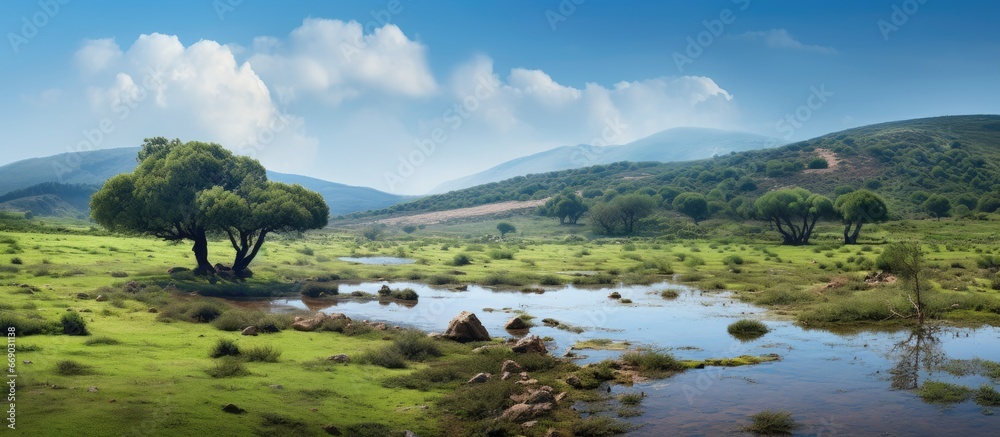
[
  {"x": 475, "y": 211},
  {"x": 831, "y": 161}
]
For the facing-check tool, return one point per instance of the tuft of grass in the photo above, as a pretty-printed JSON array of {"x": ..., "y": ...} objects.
[
  {"x": 71, "y": 368},
  {"x": 102, "y": 340},
  {"x": 409, "y": 345},
  {"x": 652, "y": 362},
  {"x": 937, "y": 392},
  {"x": 669, "y": 294},
  {"x": 461, "y": 260},
  {"x": 987, "y": 396},
  {"x": 263, "y": 354},
  {"x": 224, "y": 347},
  {"x": 405, "y": 294},
  {"x": 747, "y": 328},
  {"x": 228, "y": 367},
  {"x": 769, "y": 422},
  {"x": 502, "y": 254},
  {"x": 600, "y": 427},
  {"x": 630, "y": 399}
]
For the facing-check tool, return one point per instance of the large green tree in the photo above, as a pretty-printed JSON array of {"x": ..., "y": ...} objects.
[
  {"x": 937, "y": 206},
  {"x": 857, "y": 208},
  {"x": 631, "y": 209},
  {"x": 568, "y": 207},
  {"x": 794, "y": 212},
  {"x": 693, "y": 205},
  {"x": 186, "y": 191}
]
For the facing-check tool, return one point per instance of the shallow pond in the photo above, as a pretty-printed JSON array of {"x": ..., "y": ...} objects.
[
  {"x": 833, "y": 383},
  {"x": 377, "y": 260}
]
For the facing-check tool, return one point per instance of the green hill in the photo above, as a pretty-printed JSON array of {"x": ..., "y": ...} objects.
[{"x": 904, "y": 161}]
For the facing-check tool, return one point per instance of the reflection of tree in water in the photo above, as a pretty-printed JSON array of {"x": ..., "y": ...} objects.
[{"x": 921, "y": 350}]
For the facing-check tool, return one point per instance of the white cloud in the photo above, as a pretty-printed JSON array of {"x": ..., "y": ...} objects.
[
  {"x": 96, "y": 55},
  {"x": 337, "y": 58},
  {"x": 781, "y": 39},
  {"x": 197, "y": 92}
]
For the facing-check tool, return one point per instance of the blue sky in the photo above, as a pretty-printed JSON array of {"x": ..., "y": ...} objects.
[{"x": 373, "y": 102}]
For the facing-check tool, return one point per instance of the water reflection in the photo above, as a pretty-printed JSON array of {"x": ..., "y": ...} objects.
[{"x": 920, "y": 350}]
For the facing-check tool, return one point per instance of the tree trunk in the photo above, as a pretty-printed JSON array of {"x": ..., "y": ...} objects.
[
  {"x": 246, "y": 254},
  {"x": 200, "y": 250},
  {"x": 857, "y": 231}
]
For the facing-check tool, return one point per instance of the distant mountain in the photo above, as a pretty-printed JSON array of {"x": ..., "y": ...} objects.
[
  {"x": 678, "y": 144},
  {"x": 61, "y": 184}
]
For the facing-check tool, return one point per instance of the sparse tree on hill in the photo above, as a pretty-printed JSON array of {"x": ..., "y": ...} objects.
[
  {"x": 857, "y": 208},
  {"x": 794, "y": 213},
  {"x": 505, "y": 228},
  {"x": 567, "y": 207}
]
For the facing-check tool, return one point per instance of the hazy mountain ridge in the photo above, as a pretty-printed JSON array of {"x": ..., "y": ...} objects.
[
  {"x": 677, "y": 144},
  {"x": 92, "y": 168}
]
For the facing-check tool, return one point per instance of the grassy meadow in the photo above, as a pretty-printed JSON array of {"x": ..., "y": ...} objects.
[{"x": 151, "y": 373}]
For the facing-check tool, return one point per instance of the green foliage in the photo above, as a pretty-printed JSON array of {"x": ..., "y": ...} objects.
[
  {"x": 937, "y": 206},
  {"x": 224, "y": 347},
  {"x": 505, "y": 228},
  {"x": 183, "y": 191},
  {"x": 818, "y": 163},
  {"x": 24, "y": 323},
  {"x": 405, "y": 294},
  {"x": 568, "y": 207},
  {"x": 598, "y": 426},
  {"x": 987, "y": 396},
  {"x": 937, "y": 392},
  {"x": 860, "y": 207},
  {"x": 102, "y": 340},
  {"x": 409, "y": 229},
  {"x": 228, "y": 367},
  {"x": 693, "y": 205},
  {"x": 651, "y": 361},
  {"x": 317, "y": 289},
  {"x": 769, "y": 422},
  {"x": 72, "y": 368},
  {"x": 461, "y": 260},
  {"x": 373, "y": 232},
  {"x": 263, "y": 354},
  {"x": 502, "y": 253},
  {"x": 74, "y": 324},
  {"x": 747, "y": 329},
  {"x": 794, "y": 212}
]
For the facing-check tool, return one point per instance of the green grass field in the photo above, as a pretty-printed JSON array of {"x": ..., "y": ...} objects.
[{"x": 154, "y": 380}]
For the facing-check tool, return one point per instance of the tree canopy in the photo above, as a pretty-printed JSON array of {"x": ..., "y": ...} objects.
[
  {"x": 184, "y": 191},
  {"x": 693, "y": 205},
  {"x": 794, "y": 212},
  {"x": 937, "y": 206},
  {"x": 857, "y": 208},
  {"x": 505, "y": 228},
  {"x": 568, "y": 207}
]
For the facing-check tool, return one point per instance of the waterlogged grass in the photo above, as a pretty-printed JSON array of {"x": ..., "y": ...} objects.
[
  {"x": 937, "y": 392},
  {"x": 769, "y": 422},
  {"x": 747, "y": 329}
]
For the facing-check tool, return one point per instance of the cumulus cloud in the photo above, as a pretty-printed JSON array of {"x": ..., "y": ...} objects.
[
  {"x": 97, "y": 55},
  {"x": 781, "y": 39},
  {"x": 339, "y": 60},
  {"x": 161, "y": 87}
]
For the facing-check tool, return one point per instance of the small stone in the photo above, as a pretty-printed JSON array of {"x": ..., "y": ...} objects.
[
  {"x": 249, "y": 330},
  {"x": 529, "y": 423},
  {"x": 527, "y": 381},
  {"x": 92, "y": 389},
  {"x": 505, "y": 376},
  {"x": 277, "y": 386},
  {"x": 510, "y": 366},
  {"x": 615, "y": 295},
  {"x": 152, "y": 310},
  {"x": 101, "y": 298},
  {"x": 332, "y": 429}
]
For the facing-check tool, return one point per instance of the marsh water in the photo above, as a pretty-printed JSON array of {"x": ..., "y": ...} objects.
[{"x": 833, "y": 383}]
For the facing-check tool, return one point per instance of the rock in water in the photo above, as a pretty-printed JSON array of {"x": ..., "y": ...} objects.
[
  {"x": 466, "y": 327},
  {"x": 516, "y": 324}
]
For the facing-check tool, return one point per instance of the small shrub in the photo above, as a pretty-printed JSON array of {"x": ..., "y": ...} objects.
[
  {"x": 461, "y": 260},
  {"x": 228, "y": 367},
  {"x": 263, "y": 354},
  {"x": 224, "y": 347},
  {"x": 368, "y": 429},
  {"x": 502, "y": 254},
  {"x": 318, "y": 289},
  {"x": 772, "y": 422},
  {"x": 652, "y": 361},
  {"x": 204, "y": 311},
  {"x": 101, "y": 341},
  {"x": 631, "y": 399},
  {"x": 694, "y": 261},
  {"x": 71, "y": 368},
  {"x": 731, "y": 260},
  {"x": 387, "y": 357},
  {"x": 16, "y": 260},
  {"x": 669, "y": 294},
  {"x": 74, "y": 324},
  {"x": 987, "y": 396},
  {"x": 405, "y": 294},
  {"x": 937, "y": 392},
  {"x": 119, "y": 275},
  {"x": 747, "y": 328}
]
